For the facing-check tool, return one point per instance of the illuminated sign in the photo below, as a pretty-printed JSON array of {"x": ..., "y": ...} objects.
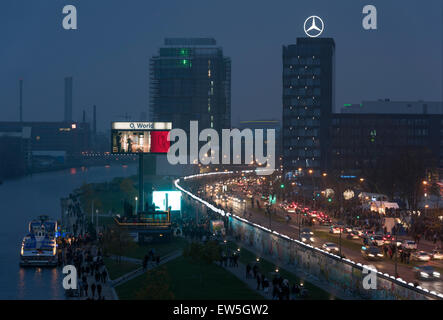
[
  {"x": 140, "y": 137},
  {"x": 141, "y": 126},
  {"x": 164, "y": 199},
  {"x": 313, "y": 26}
]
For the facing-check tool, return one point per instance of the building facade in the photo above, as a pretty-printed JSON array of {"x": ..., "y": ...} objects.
[
  {"x": 308, "y": 103},
  {"x": 70, "y": 137},
  {"x": 359, "y": 140},
  {"x": 190, "y": 79}
]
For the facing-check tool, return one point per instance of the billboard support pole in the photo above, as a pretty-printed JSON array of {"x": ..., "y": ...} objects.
[{"x": 141, "y": 184}]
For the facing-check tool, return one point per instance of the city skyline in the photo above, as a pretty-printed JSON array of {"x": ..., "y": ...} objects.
[{"x": 112, "y": 75}]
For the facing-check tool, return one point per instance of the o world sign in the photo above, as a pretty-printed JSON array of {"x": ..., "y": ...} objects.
[{"x": 141, "y": 126}]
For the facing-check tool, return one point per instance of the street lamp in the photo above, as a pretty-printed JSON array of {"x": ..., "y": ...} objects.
[
  {"x": 310, "y": 171},
  {"x": 136, "y": 205}
]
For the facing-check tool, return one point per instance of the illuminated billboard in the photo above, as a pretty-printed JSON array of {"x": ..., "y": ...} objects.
[
  {"x": 140, "y": 137},
  {"x": 163, "y": 199}
]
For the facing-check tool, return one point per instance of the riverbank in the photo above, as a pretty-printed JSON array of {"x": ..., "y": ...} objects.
[{"x": 25, "y": 198}]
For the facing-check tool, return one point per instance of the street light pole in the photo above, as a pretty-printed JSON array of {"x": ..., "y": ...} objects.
[
  {"x": 396, "y": 250},
  {"x": 339, "y": 242},
  {"x": 136, "y": 205}
]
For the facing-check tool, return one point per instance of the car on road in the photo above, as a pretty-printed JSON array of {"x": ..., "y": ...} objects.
[
  {"x": 388, "y": 238},
  {"x": 371, "y": 252},
  {"x": 307, "y": 238},
  {"x": 421, "y": 256},
  {"x": 334, "y": 229},
  {"x": 331, "y": 247},
  {"x": 307, "y": 230},
  {"x": 358, "y": 231},
  {"x": 409, "y": 244},
  {"x": 426, "y": 273},
  {"x": 376, "y": 240},
  {"x": 437, "y": 254},
  {"x": 352, "y": 236}
]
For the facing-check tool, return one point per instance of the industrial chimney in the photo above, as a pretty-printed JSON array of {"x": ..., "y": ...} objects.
[{"x": 68, "y": 99}]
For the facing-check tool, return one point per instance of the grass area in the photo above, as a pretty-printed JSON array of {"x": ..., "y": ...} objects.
[
  {"x": 246, "y": 256},
  {"x": 163, "y": 248},
  {"x": 117, "y": 269},
  {"x": 189, "y": 280}
]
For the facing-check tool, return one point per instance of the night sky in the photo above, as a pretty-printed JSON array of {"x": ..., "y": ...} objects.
[{"x": 108, "y": 55}]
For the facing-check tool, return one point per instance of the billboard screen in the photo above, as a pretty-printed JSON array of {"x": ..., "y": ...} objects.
[
  {"x": 174, "y": 200},
  {"x": 140, "y": 137}
]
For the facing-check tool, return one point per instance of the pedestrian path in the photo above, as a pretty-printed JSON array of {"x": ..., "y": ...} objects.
[
  {"x": 107, "y": 293},
  {"x": 139, "y": 271},
  {"x": 300, "y": 273},
  {"x": 240, "y": 273}
]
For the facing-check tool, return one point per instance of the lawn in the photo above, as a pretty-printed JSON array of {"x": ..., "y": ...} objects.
[
  {"x": 189, "y": 280},
  {"x": 246, "y": 256},
  {"x": 116, "y": 269},
  {"x": 161, "y": 249}
]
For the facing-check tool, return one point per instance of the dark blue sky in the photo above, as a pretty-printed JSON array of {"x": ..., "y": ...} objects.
[{"x": 108, "y": 55}]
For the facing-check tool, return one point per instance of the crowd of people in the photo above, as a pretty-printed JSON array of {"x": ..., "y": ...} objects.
[
  {"x": 281, "y": 288},
  {"x": 88, "y": 261}
]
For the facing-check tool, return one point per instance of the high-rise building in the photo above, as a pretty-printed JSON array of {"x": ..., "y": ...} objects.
[
  {"x": 308, "y": 102},
  {"x": 190, "y": 79},
  {"x": 68, "y": 99}
]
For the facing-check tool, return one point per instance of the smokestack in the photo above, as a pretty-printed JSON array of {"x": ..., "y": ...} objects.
[
  {"x": 21, "y": 99},
  {"x": 68, "y": 99},
  {"x": 94, "y": 120}
]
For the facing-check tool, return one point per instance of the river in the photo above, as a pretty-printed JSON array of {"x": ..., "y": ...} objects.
[{"x": 22, "y": 200}]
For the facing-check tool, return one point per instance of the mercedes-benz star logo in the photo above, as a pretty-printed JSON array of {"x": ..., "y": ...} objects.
[{"x": 316, "y": 26}]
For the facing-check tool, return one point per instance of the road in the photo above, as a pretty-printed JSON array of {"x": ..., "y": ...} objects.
[{"x": 350, "y": 248}]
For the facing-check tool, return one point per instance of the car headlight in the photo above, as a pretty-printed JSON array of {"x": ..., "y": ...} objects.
[
  {"x": 424, "y": 274},
  {"x": 380, "y": 254},
  {"x": 303, "y": 239},
  {"x": 436, "y": 274},
  {"x": 312, "y": 239},
  {"x": 371, "y": 255}
]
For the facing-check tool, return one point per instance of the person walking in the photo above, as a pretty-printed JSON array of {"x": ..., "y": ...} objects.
[
  {"x": 145, "y": 263},
  {"x": 85, "y": 288},
  {"x": 104, "y": 275},
  {"x": 248, "y": 270},
  {"x": 258, "y": 278},
  {"x": 93, "y": 287},
  {"x": 255, "y": 270},
  {"x": 99, "y": 290}
]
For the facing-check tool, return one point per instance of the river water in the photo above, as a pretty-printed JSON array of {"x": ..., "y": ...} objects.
[{"x": 22, "y": 200}]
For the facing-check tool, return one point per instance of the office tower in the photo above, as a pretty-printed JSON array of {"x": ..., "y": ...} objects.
[
  {"x": 68, "y": 99},
  {"x": 308, "y": 102},
  {"x": 190, "y": 79},
  {"x": 21, "y": 99},
  {"x": 94, "y": 120}
]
